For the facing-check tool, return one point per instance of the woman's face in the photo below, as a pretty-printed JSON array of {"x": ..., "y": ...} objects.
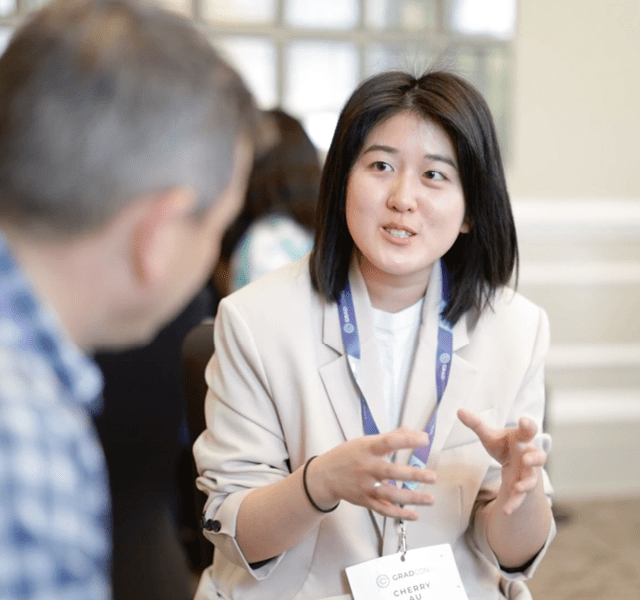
[{"x": 404, "y": 201}]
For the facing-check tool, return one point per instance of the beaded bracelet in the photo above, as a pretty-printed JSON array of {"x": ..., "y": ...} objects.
[{"x": 306, "y": 489}]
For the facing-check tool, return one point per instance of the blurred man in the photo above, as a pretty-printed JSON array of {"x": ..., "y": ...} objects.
[{"x": 125, "y": 144}]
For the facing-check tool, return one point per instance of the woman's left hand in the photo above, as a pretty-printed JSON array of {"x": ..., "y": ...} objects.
[{"x": 514, "y": 449}]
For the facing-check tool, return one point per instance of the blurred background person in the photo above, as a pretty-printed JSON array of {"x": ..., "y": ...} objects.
[
  {"x": 125, "y": 146},
  {"x": 275, "y": 226}
]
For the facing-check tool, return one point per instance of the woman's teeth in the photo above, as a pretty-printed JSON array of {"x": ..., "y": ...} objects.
[{"x": 401, "y": 233}]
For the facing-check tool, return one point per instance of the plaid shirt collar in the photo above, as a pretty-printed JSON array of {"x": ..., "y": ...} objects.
[{"x": 27, "y": 324}]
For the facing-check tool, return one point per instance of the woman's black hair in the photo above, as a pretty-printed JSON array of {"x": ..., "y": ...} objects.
[{"x": 479, "y": 261}]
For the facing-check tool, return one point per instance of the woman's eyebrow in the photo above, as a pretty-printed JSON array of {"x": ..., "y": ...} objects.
[
  {"x": 442, "y": 158},
  {"x": 381, "y": 147}
]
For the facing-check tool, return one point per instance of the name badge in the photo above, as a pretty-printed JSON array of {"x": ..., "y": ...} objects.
[{"x": 426, "y": 574}]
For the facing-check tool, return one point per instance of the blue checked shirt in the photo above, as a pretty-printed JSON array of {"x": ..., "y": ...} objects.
[{"x": 54, "y": 501}]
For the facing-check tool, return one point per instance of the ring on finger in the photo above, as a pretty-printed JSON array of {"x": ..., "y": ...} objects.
[{"x": 376, "y": 485}]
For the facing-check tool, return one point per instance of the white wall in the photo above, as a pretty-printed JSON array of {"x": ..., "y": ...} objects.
[
  {"x": 576, "y": 120},
  {"x": 574, "y": 177},
  {"x": 581, "y": 263}
]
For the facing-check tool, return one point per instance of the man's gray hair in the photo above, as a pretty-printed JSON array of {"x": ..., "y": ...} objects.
[{"x": 104, "y": 101}]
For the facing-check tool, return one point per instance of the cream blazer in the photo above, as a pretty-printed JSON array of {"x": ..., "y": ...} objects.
[{"x": 280, "y": 391}]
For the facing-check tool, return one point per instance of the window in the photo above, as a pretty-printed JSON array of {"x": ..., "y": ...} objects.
[{"x": 307, "y": 56}]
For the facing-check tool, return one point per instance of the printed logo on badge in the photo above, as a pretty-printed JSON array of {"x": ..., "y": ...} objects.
[{"x": 348, "y": 328}]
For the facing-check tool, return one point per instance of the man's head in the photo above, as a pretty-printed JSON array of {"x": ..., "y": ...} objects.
[
  {"x": 109, "y": 105},
  {"x": 105, "y": 101}
]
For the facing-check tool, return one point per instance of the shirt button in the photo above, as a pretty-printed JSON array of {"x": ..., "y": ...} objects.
[{"x": 211, "y": 525}]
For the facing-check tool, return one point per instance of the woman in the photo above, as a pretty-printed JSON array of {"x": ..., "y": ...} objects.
[{"x": 399, "y": 321}]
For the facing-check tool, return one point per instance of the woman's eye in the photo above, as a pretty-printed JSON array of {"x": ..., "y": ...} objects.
[
  {"x": 381, "y": 166},
  {"x": 435, "y": 175}
]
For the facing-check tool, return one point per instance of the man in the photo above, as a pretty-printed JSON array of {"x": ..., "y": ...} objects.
[{"x": 125, "y": 144}]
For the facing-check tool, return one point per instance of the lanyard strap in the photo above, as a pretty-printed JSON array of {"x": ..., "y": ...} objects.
[{"x": 444, "y": 351}]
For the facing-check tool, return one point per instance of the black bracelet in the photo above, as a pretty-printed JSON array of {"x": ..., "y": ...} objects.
[{"x": 306, "y": 489}]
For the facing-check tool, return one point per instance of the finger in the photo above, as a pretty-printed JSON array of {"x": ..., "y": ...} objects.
[
  {"x": 527, "y": 429},
  {"x": 526, "y": 484},
  {"x": 535, "y": 458},
  {"x": 402, "y": 472},
  {"x": 513, "y": 503},
  {"x": 389, "y": 509},
  {"x": 401, "y": 496},
  {"x": 398, "y": 439},
  {"x": 476, "y": 424}
]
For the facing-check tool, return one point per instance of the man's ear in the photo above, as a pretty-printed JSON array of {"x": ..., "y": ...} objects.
[{"x": 155, "y": 233}]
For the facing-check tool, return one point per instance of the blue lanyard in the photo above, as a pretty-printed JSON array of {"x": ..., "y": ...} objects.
[{"x": 444, "y": 352}]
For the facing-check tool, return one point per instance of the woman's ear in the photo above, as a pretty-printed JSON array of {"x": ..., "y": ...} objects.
[
  {"x": 156, "y": 233},
  {"x": 467, "y": 224}
]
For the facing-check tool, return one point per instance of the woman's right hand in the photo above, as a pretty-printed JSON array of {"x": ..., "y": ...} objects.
[{"x": 352, "y": 470}]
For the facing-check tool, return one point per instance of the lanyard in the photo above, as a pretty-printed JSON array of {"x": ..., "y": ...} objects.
[{"x": 351, "y": 339}]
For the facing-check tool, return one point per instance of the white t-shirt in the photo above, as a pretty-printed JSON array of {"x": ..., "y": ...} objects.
[{"x": 396, "y": 336}]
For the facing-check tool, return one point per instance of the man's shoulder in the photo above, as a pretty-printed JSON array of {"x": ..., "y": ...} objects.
[
  {"x": 26, "y": 378},
  {"x": 33, "y": 408}
]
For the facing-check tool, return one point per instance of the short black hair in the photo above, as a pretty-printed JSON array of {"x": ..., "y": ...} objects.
[{"x": 479, "y": 261}]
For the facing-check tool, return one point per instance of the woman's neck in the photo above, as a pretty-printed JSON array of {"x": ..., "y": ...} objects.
[{"x": 392, "y": 293}]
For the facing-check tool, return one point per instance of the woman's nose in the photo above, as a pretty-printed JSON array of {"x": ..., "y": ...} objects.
[{"x": 404, "y": 195}]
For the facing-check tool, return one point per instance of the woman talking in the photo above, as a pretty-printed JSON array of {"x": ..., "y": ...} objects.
[{"x": 386, "y": 391}]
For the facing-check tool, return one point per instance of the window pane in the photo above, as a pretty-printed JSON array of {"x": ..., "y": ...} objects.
[
  {"x": 320, "y": 127},
  {"x": 239, "y": 11},
  {"x": 489, "y": 70},
  {"x": 183, "y": 7},
  {"x": 255, "y": 59},
  {"x": 498, "y": 92},
  {"x": 414, "y": 58},
  {"x": 5, "y": 36},
  {"x": 495, "y": 18},
  {"x": 329, "y": 14},
  {"x": 401, "y": 14},
  {"x": 320, "y": 76},
  {"x": 498, "y": 69},
  {"x": 465, "y": 61},
  {"x": 7, "y": 7}
]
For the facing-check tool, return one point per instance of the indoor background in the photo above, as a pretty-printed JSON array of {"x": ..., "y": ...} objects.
[{"x": 563, "y": 81}]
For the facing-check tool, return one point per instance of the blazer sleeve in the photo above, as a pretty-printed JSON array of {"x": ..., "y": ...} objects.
[
  {"x": 242, "y": 447},
  {"x": 529, "y": 401}
]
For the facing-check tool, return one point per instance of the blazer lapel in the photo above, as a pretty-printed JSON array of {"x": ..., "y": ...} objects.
[
  {"x": 420, "y": 400},
  {"x": 336, "y": 376},
  {"x": 462, "y": 382},
  {"x": 370, "y": 380}
]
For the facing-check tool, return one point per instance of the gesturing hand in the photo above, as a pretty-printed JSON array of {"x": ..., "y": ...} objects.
[
  {"x": 513, "y": 448},
  {"x": 358, "y": 471}
]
